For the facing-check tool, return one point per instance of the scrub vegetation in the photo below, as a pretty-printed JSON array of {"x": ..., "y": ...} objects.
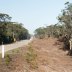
[
  {"x": 62, "y": 30},
  {"x": 11, "y": 31}
]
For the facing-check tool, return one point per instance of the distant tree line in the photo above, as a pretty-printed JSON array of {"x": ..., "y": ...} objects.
[
  {"x": 11, "y": 31},
  {"x": 49, "y": 31},
  {"x": 62, "y": 30}
]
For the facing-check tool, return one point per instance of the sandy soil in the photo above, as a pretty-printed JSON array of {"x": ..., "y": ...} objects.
[
  {"x": 15, "y": 45},
  {"x": 50, "y": 58}
]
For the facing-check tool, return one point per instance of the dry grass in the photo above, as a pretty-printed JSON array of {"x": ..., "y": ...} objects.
[
  {"x": 42, "y": 55},
  {"x": 31, "y": 57}
]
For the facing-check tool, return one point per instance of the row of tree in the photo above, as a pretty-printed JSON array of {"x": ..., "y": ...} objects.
[
  {"x": 11, "y": 31},
  {"x": 62, "y": 29},
  {"x": 49, "y": 31}
]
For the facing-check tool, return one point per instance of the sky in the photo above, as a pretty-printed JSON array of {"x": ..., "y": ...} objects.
[{"x": 33, "y": 13}]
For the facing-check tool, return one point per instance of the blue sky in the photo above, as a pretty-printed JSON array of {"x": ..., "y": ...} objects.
[{"x": 33, "y": 13}]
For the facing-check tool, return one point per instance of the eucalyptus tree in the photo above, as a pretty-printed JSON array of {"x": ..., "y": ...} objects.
[
  {"x": 4, "y": 19},
  {"x": 66, "y": 20},
  {"x": 11, "y": 31},
  {"x": 40, "y": 32}
]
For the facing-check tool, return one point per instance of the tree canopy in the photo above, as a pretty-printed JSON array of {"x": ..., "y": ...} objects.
[
  {"x": 11, "y": 31},
  {"x": 62, "y": 29}
]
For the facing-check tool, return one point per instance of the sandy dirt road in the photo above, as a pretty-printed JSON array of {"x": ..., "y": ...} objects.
[{"x": 15, "y": 45}]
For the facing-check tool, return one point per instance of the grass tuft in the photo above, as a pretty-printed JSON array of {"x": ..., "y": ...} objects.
[
  {"x": 7, "y": 59},
  {"x": 31, "y": 57}
]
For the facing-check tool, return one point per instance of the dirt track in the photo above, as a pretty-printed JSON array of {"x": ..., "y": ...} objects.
[
  {"x": 50, "y": 57},
  {"x": 15, "y": 45}
]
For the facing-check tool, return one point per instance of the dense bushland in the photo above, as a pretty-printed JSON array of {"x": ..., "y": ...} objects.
[
  {"x": 62, "y": 30},
  {"x": 11, "y": 31}
]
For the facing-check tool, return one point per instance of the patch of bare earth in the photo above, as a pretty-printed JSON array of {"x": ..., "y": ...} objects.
[{"x": 50, "y": 58}]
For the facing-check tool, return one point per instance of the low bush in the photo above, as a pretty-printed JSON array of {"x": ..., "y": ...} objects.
[{"x": 7, "y": 59}]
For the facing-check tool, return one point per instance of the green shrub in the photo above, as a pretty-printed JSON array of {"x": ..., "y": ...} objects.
[{"x": 7, "y": 59}]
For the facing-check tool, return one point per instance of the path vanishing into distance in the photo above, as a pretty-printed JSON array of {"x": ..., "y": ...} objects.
[{"x": 15, "y": 45}]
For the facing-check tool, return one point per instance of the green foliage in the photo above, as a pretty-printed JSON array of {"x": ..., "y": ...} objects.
[
  {"x": 7, "y": 59},
  {"x": 62, "y": 29},
  {"x": 4, "y": 17},
  {"x": 11, "y": 31},
  {"x": 66, "y": 19},
  {"x": 52, "y": 30},
  {"x": 40, "y": 33}
]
